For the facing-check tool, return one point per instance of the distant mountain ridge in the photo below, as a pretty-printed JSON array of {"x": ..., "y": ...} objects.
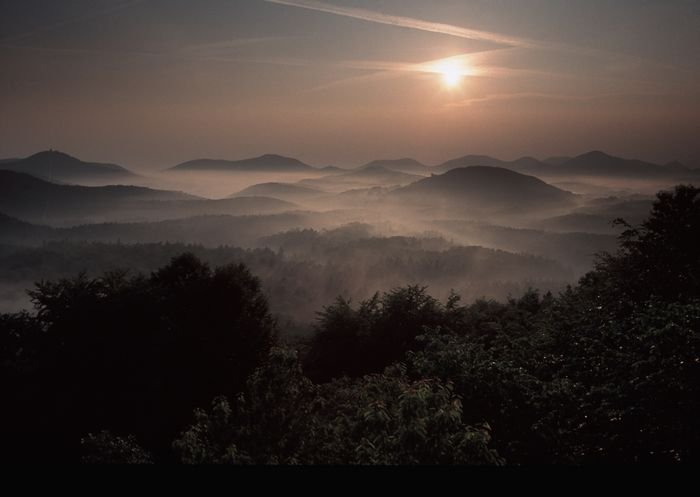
[
  {"x": 556, "y": 161},
  {"x": 598, "y": 163},
  {"x": 59, "y": 167},
  {"x": 382, "y": 174},
  {"x": 370, "y": 176},
  {"x": 268, "y": 163},
  {"x": 405, "y": 165},
  {"x": 53, "y": 165},
  {"x": 595, "y": 163},
  {"x": 277, "y": 190}
]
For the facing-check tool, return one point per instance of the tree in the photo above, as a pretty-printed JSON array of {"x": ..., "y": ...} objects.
[
  {"x": 135, "y": 354},
  {"x": 658, "y": 259}
]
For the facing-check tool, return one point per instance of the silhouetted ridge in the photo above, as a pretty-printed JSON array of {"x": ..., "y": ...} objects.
[
  {"x": 595, "y": 163},
  {"x": 276, "y": 189},
  {"x": 556, "y": 161},
  {"x": 677, "y": 167},
  {"x": 528, "y": 165},
  {"x": 55, "y": 165},
  {"x": 405, "y": 165},
  {"x": 267, "y": 162},
  {"x": 599, "y": 163},
  {"x": 13, "y": 230},
  {"x": 468, "y": 160},
  {"x": 380, "y": 173}
]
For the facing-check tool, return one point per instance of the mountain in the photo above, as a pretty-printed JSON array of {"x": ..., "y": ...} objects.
[
  {"x": 267, "y": 163},
  {"x": 677, "y": 167},
  {"x": 468, "y": 160},
  {"x": 528, "y": 165},
  {"x": 595, "y": 164},
  {"x": 575, "y": 250},
  {"x": 14, "y": 231},
  {"x": 361, "y": 178},
  {"x": 20, "y": 188},
  {"x": 577, "y": 222},
  {"x": 211, "y": 230},
  {"x": 485, "y": 188},
  {"x": 33, "y": 199},
  {"x": 556, "y": 161},
  {"x": 380, "y": 174},
  {"x": 405, "y": 165},
  {"x": 238, "y": 206},
  {"x": 332, "y": 170},
  {"x": 601, "y": 164},
  {"x": 57, "y": 166},
  {"x": 277, "y": 190}
]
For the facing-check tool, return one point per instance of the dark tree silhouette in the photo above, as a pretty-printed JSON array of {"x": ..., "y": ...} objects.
[
  {"x": 365, "y": 340},
  {"x": 134, "y": 354},
  {"x": 660, "y": 258}
]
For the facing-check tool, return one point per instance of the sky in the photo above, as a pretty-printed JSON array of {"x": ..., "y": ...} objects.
[{"x": 151, "y": 83}]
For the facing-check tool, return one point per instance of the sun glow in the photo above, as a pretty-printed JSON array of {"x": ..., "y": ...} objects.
[{"x": 452, "y": 72}]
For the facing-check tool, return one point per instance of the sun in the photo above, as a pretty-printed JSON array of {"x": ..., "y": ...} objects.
[
  {"x": 452, "y": 72},
  {"x": 451, "y": 76}
]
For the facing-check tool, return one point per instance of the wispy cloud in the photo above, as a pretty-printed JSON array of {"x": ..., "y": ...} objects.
[
  {"x": 232, "y": 44},
  {"x": 566, "y": 98},
  {"x": 366, "y": 78},
  {"x": 390, "y": 69},
  {"x": 214, "y": 52},
  {"x": 409, "y": 22}
]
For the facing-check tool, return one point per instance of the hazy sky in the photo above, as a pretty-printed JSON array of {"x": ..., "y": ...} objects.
[{"x": 150, "y": 83}]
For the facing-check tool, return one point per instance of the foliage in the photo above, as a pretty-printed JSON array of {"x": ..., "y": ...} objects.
[
  {"x": 265, "y": 425},
  {"x": 379, "y": 419},
  {"x": 105, "y": 448}
]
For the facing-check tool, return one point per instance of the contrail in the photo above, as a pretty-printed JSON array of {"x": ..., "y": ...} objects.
[
  {"x": 409, "y": 22},
  {"x": 446, "y": 29}
]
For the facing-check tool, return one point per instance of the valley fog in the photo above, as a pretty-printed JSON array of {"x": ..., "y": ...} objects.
[{"x": 315, "y": 234}]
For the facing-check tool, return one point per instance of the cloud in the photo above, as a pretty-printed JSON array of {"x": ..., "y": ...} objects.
[
  {"x": 231, "y": 44},
  {"x": 410, "y": 23},
  {"x": 390, "y": 69},
  {"x": 565, "y": 98}
]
